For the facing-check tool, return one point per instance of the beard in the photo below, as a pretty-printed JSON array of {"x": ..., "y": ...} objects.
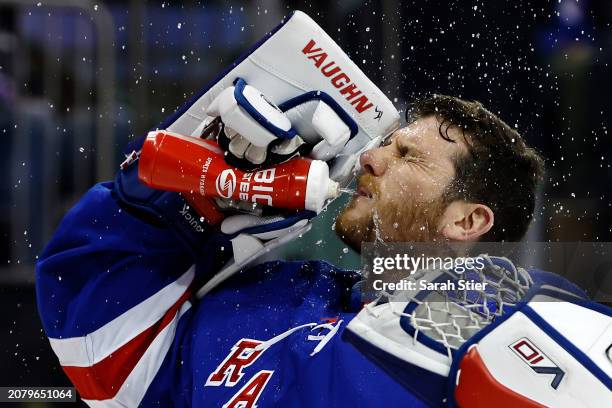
[{"x": 402, "y": 218}]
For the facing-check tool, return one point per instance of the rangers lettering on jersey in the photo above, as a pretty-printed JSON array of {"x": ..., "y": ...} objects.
[
  {"x": 249, "y": 394},
  {"x": 229, "y": 373},
  {"x": 242, "y": 355}
]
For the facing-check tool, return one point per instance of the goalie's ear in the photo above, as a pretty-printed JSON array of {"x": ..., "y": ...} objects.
[{"x": 465, "y": 221}]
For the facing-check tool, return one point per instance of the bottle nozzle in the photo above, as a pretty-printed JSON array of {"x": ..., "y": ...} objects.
[{"x": 333, "y": 189}]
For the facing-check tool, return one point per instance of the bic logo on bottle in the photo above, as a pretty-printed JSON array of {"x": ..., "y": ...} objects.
[
  {"x": 259, "y": 186},
  {"x": 256, "y": 187},
  {"x": 226, "y": 183}
]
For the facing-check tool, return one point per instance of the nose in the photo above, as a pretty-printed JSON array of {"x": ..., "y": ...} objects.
[{"x": 373, "y": 162}]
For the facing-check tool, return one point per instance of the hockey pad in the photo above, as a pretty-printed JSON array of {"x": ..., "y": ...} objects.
[
  {"x": 294, "y": 59},
  {"x": 417, "y": 335},
  {"x": 552, "y": 351}
]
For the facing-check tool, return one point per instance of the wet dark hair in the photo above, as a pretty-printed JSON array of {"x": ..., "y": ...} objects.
[{"x": 500, "y": 170}]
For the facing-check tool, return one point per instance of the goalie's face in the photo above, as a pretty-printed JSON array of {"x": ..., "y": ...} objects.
[{"x": 399, "y": 195}]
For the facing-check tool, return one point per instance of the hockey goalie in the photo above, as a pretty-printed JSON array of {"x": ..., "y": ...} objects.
[{"x": 151, "y": 293}]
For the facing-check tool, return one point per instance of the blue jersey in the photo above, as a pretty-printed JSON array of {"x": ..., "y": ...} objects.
[{"x": 115, "y": 298}]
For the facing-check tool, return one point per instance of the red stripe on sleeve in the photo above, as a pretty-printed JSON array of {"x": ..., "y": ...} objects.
[{"x": 104, "y": 379}]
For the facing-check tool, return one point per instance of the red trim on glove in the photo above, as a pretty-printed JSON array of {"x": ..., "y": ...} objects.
[{"x": 477, "y": 388}]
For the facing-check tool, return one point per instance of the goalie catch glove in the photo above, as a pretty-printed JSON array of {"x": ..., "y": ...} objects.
[{"x": 530, "y": 339}]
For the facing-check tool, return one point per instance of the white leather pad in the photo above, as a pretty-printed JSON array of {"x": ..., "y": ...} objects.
[{"x": 300, "y": 57}]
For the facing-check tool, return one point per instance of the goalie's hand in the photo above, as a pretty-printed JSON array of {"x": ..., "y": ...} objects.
[{"x": 256, "y": 133}]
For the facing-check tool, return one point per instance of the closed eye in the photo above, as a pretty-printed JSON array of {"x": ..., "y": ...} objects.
[
  {"x": 387, "y": 140},
  {"x": 413, "y": 159},
  {"x": 409, "y": 153}
]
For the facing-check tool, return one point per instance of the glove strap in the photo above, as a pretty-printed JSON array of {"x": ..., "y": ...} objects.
[
  {"x": 324, "y": 97},
  {"x": 242, "y": 101}
]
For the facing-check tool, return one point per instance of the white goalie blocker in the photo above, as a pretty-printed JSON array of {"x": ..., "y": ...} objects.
[
  {"x": 527, "y": 341},
  {"x": 296, "y": 58}
]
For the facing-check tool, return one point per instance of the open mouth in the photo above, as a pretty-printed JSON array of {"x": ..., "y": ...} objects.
[{"x": 363, "y": 192}]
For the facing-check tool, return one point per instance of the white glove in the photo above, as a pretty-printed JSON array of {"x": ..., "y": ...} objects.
[
  {"x": 529, "y": 339},
  {"x": 257, "y": 133},
  {"x": 248, "y": 236},
  {"x": 554, "y": 352}
]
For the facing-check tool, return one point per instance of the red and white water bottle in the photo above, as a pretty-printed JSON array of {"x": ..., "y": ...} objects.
[{"x": 169, "y": 161}]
